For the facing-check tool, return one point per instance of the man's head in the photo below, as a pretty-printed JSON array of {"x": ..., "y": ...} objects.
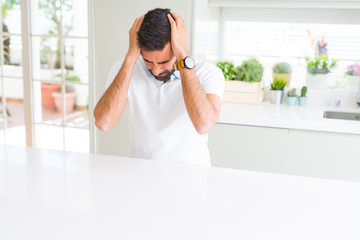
[
  {"x": 155, "y": 30},
  {"x": 154, "y": 37}
]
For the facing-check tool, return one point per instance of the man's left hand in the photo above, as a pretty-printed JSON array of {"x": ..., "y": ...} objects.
[{"x": 178, "y": 36}]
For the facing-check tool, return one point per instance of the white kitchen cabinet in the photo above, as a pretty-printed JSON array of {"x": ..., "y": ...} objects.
[
  {"x": 248, "y": 148},
  {"x": 289, "y": 151},
  {"x": 324, "y": 154}
]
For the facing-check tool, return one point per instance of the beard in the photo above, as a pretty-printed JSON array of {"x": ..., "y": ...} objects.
[{"x": 164, "y": 76}]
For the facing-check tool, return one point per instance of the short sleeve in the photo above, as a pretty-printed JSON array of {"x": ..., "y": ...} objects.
[
  {"x": 112, "y": 74},
  {"x": 211, "y": 78}
]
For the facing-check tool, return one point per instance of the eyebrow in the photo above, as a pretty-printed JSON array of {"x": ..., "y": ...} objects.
[{"x": 163, "y": 62}]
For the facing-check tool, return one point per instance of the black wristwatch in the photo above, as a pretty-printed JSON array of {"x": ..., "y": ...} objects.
[{"x": 187, "y": 62}]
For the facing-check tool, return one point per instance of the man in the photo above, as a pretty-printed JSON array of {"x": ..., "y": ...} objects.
[{"x": 173, "y": 99}]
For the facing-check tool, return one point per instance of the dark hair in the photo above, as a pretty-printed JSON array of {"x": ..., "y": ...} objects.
[{"x": 155, "y": 30}]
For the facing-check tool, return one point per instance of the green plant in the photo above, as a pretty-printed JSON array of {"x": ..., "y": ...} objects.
[
  {"x": 278, "y": 83},
  {"x": 303, "y": 91},
  {"x": 227, "y": 68},
  {"x": 282, "y": 67},
  {"x": 292, "y": 93},
  {"x": 53, "y": 9},
  {"x": 249, "y": 71},
  {"x": 320, "y": 65},
  {"x": 72, "y": 78},
  {"x": 6, "y": 7}
]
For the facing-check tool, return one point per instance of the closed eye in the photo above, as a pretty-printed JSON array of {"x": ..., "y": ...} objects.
[
  {"x": 147, "y": 61},
  {"x": 163, "y": 62}
]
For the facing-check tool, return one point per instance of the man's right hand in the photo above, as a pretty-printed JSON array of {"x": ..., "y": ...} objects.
[{"x": 134, "y": 49}]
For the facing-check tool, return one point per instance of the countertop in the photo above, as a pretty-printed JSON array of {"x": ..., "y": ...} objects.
[
  {"x": 46, "y": 194},
  {"x": 308, "y": 117}
]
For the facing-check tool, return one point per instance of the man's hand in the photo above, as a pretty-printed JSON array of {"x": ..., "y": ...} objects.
[
  {"x": 178, "y": 36},
  {"x": 134, "y": 49}
]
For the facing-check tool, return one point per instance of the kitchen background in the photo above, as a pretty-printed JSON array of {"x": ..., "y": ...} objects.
[{"x": 76, "y": 55}]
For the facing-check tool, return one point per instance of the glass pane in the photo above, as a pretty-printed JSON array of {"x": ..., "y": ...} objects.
[
  {"x": 12, "y": 16},
  {"x": 48, "y": 137},
  {"x": 79, "y": 117},
  {"x": 76, "y": 59},
  {"x": 75, "y": 18},
  {"x": 46, "y": 58},
  {"x": 44, "y": 103},
  {"x": 14, "y": 93},
  {"x": 15, "y": 133},
  {"x": 45, "y": 17},
  {"x": 69, "y": 99},
  {"x": 77, "y": 140},
  {"x": 12, "y": 56}
]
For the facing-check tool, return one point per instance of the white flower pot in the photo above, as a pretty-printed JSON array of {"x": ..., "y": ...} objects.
[
  {"x": 353, "y": 82},
  {"x": 317, "y": 81}
]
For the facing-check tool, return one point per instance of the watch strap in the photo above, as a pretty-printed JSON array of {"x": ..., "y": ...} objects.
[{"x": 179, "y": 65}]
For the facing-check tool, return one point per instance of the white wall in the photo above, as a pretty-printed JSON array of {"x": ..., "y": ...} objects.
[{"x": 113, "y": 19}]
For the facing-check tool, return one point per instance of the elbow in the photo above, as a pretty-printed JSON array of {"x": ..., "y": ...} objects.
[
  {"x": 204, "y": 127},
  {"x": 101, "y": 124}
]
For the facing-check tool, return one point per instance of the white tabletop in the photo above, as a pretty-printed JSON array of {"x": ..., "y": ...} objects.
[{"x": 48, "y": 194}]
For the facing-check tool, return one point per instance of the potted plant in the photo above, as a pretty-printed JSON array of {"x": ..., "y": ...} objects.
[
  {"x": 317, "y": 71},
  {"x": 283, "y": 69},
  {"x": 244, "y": 83},
  {"x": 353, "y": 76},
  {"x": 227, "y": 68},
  {"x": 302, "y": 98},
  {"x": 291, "y": 97},
  {"x": 70, "y": 95},
  {"x": 277, "y": 90}
]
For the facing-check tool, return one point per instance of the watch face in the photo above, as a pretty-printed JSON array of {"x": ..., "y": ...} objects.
[{"x": 189, "y": 62}]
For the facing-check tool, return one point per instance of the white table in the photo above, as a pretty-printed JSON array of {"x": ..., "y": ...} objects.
[{"x": 53, "y": 195}]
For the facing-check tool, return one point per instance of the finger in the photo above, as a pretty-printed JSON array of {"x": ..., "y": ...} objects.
[
  {"x": 176, "y": 16},
  {"x": 139, "y": 22},
  {"x": 172, "y": 21},
  {"x": 179, "y": 21}
]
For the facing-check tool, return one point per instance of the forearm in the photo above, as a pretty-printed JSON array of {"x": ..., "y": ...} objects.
[
  {"x": 111, "y": 106},
  {"x": 202, "y": 112}
]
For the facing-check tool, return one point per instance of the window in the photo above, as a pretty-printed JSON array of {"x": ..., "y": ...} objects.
[
  {"x": 59, "y": 76},
  {"x": 277, "y": 31},
  {"x": 273, "y": 42},
  {"x": 12, "y": 129}
]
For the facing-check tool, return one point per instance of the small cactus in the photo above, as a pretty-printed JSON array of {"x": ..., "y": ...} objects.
[
  {"x": 292, "y": 93},
  {"x": 303, "y": 91}
]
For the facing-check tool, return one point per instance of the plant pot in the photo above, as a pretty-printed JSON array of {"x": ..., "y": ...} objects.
[
  {"x": 287, "y": 77},
  {"x": 317, "y": 81},
  {"x": 353, "y": 82},
  {"x": 276, "y": 96},
  {"x": 70, "y": 98},
  {"x": 47, "y": 100},
  {"x": 302, "y": 101},
  {"x": 291, "y": 101}
]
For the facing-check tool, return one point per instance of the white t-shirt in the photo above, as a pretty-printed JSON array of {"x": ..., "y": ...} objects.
[{"x": 160, "y": 127}]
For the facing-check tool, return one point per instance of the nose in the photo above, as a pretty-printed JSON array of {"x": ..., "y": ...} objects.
[{"x": 156, "y": 69}]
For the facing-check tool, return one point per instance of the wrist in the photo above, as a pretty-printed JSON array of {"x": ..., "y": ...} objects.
[
  {"x": 131, "y": 58},
  {"x": 181, "y": 55}
]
